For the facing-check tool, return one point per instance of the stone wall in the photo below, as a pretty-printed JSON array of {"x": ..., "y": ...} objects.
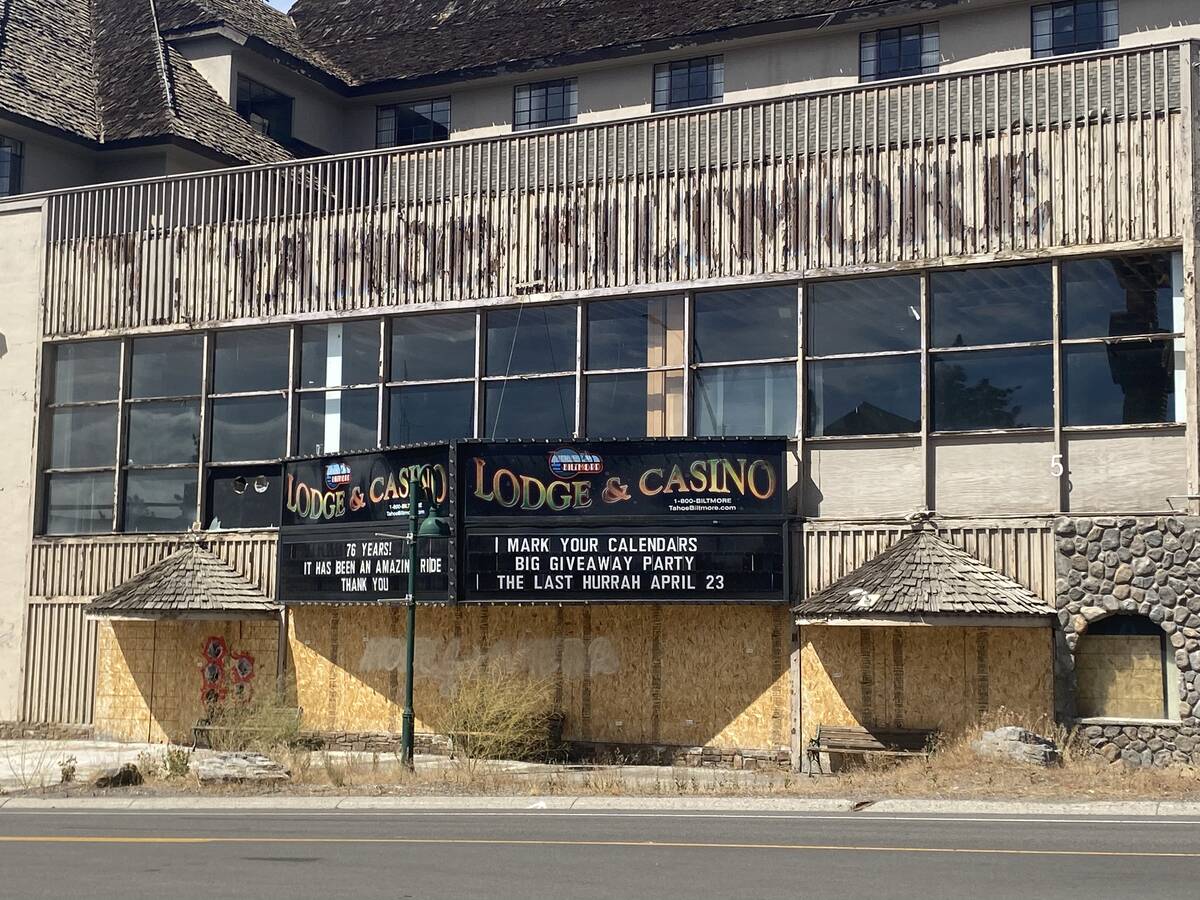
[{"x": 1141, "y": 566}]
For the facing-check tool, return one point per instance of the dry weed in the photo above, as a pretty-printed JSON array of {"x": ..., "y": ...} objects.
[{"x": 497, "y": 713}]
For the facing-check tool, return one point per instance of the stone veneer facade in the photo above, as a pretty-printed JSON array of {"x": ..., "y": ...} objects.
[{"x": 1142, "y": 566}]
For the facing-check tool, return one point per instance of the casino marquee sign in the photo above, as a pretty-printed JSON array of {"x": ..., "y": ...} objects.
[
  {"x": 546, "y": 522},
  {"x": 623, "y": 521}
]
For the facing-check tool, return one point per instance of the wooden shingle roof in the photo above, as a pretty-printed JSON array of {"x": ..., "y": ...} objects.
[
  {"x": 923, "y": 576},
  {"x": 190, "y": 583}
]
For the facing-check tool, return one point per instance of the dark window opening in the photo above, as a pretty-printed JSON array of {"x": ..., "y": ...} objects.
[
  {"x": 244, "y": 496},
  {"x": 899, "y": 52},
  {"x": 1002, "y": 305},
  {"x": 422, "y": 122},
  {"x": 864, "y": 396},
  {"x": 689, "y": 82},
  {"x": 1126, "y": 383},
  {"x": 985, "y": 389},
  {"x": 1118, "y": 296},
  {"x": 12, "y": 155},
  {"x": 266, "y": 109},
  {"x": 1074, "y": 26},
  {"x": 545, "y": 104}
]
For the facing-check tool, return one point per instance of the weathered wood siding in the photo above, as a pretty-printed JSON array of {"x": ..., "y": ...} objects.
[
  {"x": 1023, "y": 549},
  {"x": 1052, "y": 154},
  {"x": 89, "y": 566},
  {"x": 60, "y": 663},
  {"x": 65, "y": 573}
]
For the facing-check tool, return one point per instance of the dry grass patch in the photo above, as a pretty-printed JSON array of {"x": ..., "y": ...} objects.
[{"x": 954, "y": 770}]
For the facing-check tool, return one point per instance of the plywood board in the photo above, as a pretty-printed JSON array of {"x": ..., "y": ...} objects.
[
  {"x": 619, "y": 664},
  {"x": 922, "y": 677},
  {"x": 724, "y": 676},
  {"x": 151, "y": 681}
]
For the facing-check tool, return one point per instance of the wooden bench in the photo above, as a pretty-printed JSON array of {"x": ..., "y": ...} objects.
[
  {"x": 204, "y": 730},
  {"x": 852, "y": 740}
]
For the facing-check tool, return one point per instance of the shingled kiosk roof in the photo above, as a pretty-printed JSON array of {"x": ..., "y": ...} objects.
[
  {"x": 191, "y": 583},
  {"x": 922, "y": 577}
]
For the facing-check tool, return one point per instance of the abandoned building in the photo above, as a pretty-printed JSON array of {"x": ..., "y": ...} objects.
[{"x": 929, "y": 264}]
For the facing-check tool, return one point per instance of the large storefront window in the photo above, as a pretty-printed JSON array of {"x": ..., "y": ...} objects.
[
  {"x": 635, "y": 359},
  {"x": 83, "y": 413},
  {"x": 991, "y": 331},
  {"x": 163, "y": 444},
  {"x": 1123, "y": 359},
  {"x": 339, "y": 387},
  {"x": 432, "y": 392},
  {"x": 249, "y": 416},
  {"x": 151, "y": 433},
  {"x": 864, "y": 366},
  {"x": 744, "y": 349},
  {"x": 529, "y": 388}
]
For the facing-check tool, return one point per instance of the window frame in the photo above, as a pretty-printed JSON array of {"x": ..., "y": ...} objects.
[
  {"x": 47, "y": 471},
  {"x": 391, "y": 385},
  {"x": 12, "y": 152},
  {"x": 927, "y": 33},
  {"x": 715, "y": 71},
  {"x": 696, "y": 367},
  {"x": 251, "y": 83},
  {"x": 300, "y": 391},
  {"x": 570, "y": 104},
  {"x": 130, "y": 403},
  {"x": 1174, "y": 337},
  {"x": 666, "y": 370},
  {"x": 1044, "y": 49},
  {"x": 434, "y": 103},
  {"x": 919, "y": 352}
]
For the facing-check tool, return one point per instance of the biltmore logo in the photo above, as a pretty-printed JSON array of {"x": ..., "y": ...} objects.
[
  {"x": 565, "y": 463},
  {"x": 337, "y": 475}
]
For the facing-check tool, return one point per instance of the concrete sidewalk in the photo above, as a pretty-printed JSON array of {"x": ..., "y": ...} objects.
[{"x": 284, "y": 803}]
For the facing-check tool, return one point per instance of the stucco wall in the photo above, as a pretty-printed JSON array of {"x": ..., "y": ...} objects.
[
  {"x": 981, "y": 34},
  {"x": 20, "y": 268}
]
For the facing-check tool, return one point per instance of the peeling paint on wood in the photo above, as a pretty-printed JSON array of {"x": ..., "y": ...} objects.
[{"x": 1048, "y": 155}]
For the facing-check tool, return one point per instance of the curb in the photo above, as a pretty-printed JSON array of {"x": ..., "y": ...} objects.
[{"x": 532, "y": 804}]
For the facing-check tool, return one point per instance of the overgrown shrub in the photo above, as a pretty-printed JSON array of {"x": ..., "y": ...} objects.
[
  {"x": 265, "y": 722},
  {"x": 68, "y": 767},
  {"x": 177, "y": 763},
  {"x": 495, "y": 712}
]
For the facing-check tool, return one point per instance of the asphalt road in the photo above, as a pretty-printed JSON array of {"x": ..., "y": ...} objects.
[{"x": 568, "y": 855}]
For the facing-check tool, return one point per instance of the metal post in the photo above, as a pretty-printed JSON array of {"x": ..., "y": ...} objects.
[{"x": 406, "y": 728}]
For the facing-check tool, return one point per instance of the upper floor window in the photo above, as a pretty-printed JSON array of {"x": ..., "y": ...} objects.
[
  {"x": 401, "y": 124},
  {"x": 898, "y": 52},
  {"x": 1074, "y": 26},
  {"x": 545, "y": 103},
  {"x": 992, "y": 334},
  {"x": 744, "y": 348},
  {"x": 11, "y": 154},
  {"x": 269, "y": 111},
  {"x": 689, "y": 82}
]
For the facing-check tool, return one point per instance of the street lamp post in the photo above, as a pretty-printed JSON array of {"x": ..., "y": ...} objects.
[{"x": 407, "y": 721}]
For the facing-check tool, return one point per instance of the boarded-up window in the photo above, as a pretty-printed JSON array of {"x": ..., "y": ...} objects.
[{"x": 1120, "y": 670}]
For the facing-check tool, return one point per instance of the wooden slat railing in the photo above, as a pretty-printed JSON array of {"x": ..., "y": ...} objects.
[{"x": 1051, "y": 154}]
